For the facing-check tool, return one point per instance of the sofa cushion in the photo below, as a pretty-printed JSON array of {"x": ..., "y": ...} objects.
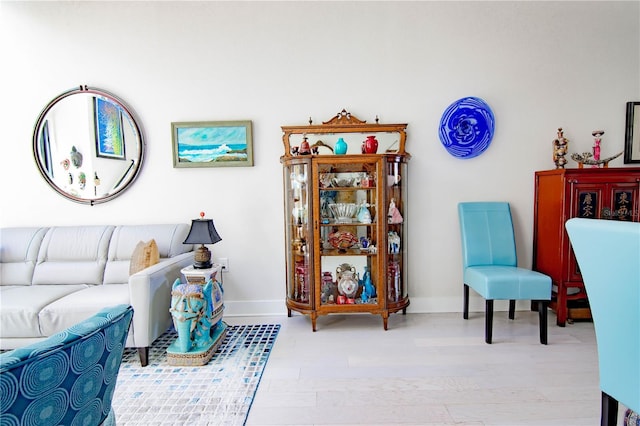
[
  {"x": 18, "y": 254},
  {"x": 75, "y": 307},
  {"x": 73, "y": 255},
  {"x": 20, "y": 306},
  {"x": 144, "y": 255},
  {"x": 125, "y": 238}
]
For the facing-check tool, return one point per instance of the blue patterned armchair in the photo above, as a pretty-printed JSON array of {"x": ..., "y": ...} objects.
[{"x": 68, "y": 379}]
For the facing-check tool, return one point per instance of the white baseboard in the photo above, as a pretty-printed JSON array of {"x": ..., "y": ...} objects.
[
  {"x": 418, "y": 305},
  {"x": 244, "y": 308}
]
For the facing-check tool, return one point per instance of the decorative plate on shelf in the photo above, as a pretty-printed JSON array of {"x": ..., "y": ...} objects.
[
  {"x": 342, "y": 240},
  {"x": 467, "y": 127}
]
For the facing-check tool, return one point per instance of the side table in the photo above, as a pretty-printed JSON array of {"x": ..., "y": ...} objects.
[
  {"x": 201, "y": 276},
  {"x": 196, "y": 308}
]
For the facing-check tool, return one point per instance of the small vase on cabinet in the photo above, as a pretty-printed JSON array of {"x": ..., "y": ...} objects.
[
  {"x": 370, "y": 146},
  {"x": 341, "y": 147}
]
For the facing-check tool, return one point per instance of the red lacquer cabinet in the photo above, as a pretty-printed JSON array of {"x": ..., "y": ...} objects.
[{"x": 595, "y": 193}]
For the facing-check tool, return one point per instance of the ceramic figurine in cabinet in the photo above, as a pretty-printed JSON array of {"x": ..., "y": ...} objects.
[
  {"x": 394, "y": 243},
  {"x": 328, "y": 290},
  {"x": 394, "y": 215},
  {"x": 365, "y": 243},
  {"x": 363, "y": 214},
  {"x": 368, "y": 289}
]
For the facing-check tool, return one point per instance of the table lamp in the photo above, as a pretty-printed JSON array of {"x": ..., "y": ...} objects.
[{"x": 202, "y": 232}]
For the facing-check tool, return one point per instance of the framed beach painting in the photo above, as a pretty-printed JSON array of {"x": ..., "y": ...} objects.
[
  {"x": 108, "y": 129},
  {"x": 212, "y": 144}
]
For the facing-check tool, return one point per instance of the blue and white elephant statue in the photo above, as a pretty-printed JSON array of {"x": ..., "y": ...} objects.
[{"x": 196, "y": 311}]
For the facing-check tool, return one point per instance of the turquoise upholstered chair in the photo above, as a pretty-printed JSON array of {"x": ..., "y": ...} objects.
[
  {"x": 489, "y": 263},
  {"x": 608, "y": 254},
  {"x": 69, "y": 378}
]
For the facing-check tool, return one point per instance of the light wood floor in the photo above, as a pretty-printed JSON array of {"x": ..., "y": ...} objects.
[{"x": 427, "y": 369}]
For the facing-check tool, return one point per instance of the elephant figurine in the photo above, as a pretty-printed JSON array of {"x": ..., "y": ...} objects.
[{"x": 196, "y": 311}]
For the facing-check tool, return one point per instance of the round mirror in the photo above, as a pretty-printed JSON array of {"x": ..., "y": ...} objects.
[{"x": 88, "y": 145}]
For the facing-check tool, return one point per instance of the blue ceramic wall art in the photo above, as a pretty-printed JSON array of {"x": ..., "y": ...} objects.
[{"x": 467, "y": 127}]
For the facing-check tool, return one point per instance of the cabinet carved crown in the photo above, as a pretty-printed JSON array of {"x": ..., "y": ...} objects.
[{"x": 322, "y": 137}]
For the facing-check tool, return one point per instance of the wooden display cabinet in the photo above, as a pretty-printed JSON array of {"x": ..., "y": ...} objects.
[
  {"x": 596, "y": 193},
  {"x": 368, "y": 274}
]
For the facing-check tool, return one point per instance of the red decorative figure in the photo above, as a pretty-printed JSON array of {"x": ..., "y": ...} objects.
[
  {"x": 305, "y": 149},
  {"x": 597, "y": 135}
]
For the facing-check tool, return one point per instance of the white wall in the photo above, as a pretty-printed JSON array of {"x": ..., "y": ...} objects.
[{"x": 539, "y": 65}]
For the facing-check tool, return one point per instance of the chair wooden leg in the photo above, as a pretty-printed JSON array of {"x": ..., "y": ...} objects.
[
  {"x": 512, "y": 309},
  {"x": 488, "y": 321},
  {"x": 465, "y": 306},
  {"x": 542, "y": 313},
  {"x": 609, "y": 411}
]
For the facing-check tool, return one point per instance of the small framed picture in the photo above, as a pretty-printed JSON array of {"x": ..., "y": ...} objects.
[
  {"x": 108, "y": 129},
  {"x": 632, "y": 134},
  {"x": 212, "y": 144}
]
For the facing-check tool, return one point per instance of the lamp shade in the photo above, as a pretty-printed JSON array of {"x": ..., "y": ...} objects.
[{"x": 202, "y": 232}]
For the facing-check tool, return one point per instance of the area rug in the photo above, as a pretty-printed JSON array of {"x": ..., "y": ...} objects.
[{"x": 219, "y": 393}]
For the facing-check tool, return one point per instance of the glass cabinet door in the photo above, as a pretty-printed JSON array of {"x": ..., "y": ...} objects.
[
  {"x": 348, "y": 235},
  {"x": 298, "y": 233},
  {"x": 396, "y": 202}
]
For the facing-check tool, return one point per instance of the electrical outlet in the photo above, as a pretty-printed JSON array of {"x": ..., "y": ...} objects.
[{"x": 224, "y": 261}]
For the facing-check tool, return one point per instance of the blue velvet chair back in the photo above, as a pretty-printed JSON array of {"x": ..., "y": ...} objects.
[
  {"x": 487, "y": 234},
  {"x": 69, "y": 378},
  {"x": 608, "y": 254}
]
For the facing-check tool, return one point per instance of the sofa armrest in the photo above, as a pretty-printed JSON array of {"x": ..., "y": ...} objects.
[{"x": 150, "y": 295}]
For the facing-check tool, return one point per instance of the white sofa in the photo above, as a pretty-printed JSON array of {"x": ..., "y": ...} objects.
[{"x": 52, "y": 278}]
